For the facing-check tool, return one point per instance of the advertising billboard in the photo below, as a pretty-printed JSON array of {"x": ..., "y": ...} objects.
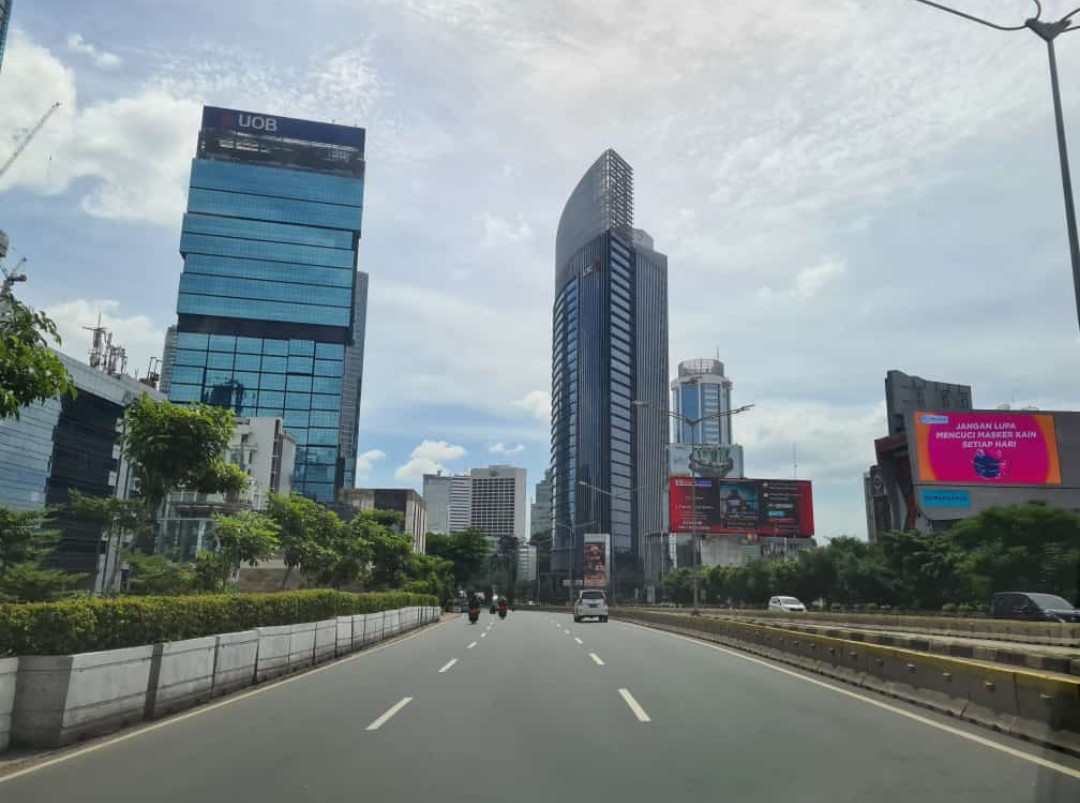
[
  {"x": 595, "y": 563},
  {"x": 705, "y": 460},
  {"x": 741, "y": 507},
  {"x": 284, "y": 127},
  {"x": 986, "y": 448}
]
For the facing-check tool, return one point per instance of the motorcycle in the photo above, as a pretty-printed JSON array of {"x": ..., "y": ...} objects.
[
  {"x": 502, "y": 610},
  {"x": 474, "y": 614}
]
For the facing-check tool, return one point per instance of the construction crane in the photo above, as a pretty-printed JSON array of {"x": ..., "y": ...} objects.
[{"x": 26, "y": 140}]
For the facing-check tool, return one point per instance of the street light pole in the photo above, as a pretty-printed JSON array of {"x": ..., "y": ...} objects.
[{"x": 1048, "y": 32}]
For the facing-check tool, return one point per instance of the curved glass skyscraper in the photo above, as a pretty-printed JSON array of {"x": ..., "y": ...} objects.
[{"x": 609, "y": 348}]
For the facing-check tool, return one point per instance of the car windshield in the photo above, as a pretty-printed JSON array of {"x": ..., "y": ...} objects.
[
  {"x": 592, "y": 595},
  {"x": 1050, "y": 602},
  {"x": 790, "y": 601}
]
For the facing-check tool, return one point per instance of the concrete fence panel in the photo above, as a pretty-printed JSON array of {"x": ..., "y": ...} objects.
[
  {"x": 61, "y": 698},
  {"x": 234, "y": 661},
  {"x": 358, "y": 625},
  {"x": 301, "y": 645},
  {"x": 344, "y": 635},
  {"x": 325, "y": 640},
  {"x": 273, "y": 660},
  {"x": 181, "y": 675},
  {"x": 9, "y": 668}
]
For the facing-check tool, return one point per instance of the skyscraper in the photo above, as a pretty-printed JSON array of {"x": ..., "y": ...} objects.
[
  {"x": 271, "y": 309},
  {"x": 491, "y": 499},
  {"x": 609, "y": 349},
  {"x": 701, "y": 389},
  {"x": 5, "y": 18},
  {"x": 540, "y": 514}
]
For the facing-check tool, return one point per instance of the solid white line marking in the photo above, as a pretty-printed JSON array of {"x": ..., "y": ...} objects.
[
  {"x": 635, "y": 706},
  {"x": 449, "y": 664},
  {"x": 596, "y": 658},
  {"x": 139, "y": 731},
  {"x": 1012, "y": 751},
  {"x": 471, "y": 646},
  {"x": 374, "y": 726},
  {"x": 579, "y": 641}
]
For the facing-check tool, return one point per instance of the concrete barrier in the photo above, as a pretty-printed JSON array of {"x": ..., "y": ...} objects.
[
  {"x": 1036, "y": 706},
  {"x": 61, "y": 698},
  {"x": 325, "y": 640},
  {"x": 301, "y": 645},
  {"x": 273, "y": 658},
  {"x": 343, "y": 645},
  {"x": 358, "y": 625},
  {"x": 181, "y": 675},
  {"x": 9, "y": 668},
  {"x": 235, "y": 658}
]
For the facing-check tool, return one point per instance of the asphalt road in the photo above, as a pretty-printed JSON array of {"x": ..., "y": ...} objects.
[{"x": 531, "y": 712}]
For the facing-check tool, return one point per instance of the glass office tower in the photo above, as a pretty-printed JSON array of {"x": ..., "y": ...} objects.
[
  {"x": 5, "y": 18},
  {"x": 609, "y": 348},
  {"x": 271, "y": 309}
]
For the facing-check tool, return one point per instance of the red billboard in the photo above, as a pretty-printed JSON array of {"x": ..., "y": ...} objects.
[
  {"x": 594, "y": 564},
  {"x": 740, "y": 507},
  {"x": 991, "y": 447}
]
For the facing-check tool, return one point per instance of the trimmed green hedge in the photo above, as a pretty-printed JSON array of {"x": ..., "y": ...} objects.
[{"x": 87, "y": 625}]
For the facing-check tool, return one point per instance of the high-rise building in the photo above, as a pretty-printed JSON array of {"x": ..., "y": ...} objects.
[
  {"x": 609, "y": 349},
  {"x": 498, "y": 501},
  {"x": 700, "y": 389},
  {"x": 491, "y": 499},
  {"x": 168, "y": 359},
  {"x": 271, "y": 309},
  {"x": 540, "y": 513},
  {"x": 5, "y": 18}
]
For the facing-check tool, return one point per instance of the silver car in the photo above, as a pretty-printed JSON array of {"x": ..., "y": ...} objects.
[
  {"x": 591, "y": 603},
  {"x": 786, "y": 605}
]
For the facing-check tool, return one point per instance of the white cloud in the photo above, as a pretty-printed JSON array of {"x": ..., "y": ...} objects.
[
  {"x": 500, "y": 232},
  {"x": 366, "y": 461},
  {"x": 537, "y": 403},
  {"x": 428, "y": 458},
  {"x": 503, "y": 449},
  {"x": 138, "y": 334},
  {"x": 808, "y": 283},
  {"x": 101, "y": 58}
]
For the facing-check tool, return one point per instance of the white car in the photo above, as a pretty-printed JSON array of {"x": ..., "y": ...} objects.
[
  {"x": 786, "y": 605},
  {"x": 591, "y": 603}
]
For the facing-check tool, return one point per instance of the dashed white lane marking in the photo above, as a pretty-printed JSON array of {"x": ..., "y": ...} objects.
[
  {"x": 449, "y": 664},
  {"x": 483, "y": 635},
  {"x": 374, "y": 726},
  {"x": 579, "y": 641},
  {"x": 471, "y": 646},
  {"x": 635, "y": 706},
  {"x": 596, "y": 659},
  {"x": 567, "y": 632}
]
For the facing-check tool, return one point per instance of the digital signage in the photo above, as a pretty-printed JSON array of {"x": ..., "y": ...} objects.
[
  {"x": 705, "y": 460},
  {"x": 986, "y": 448},
  {"x": 741, "y": 507},
  {"x": 594, "y": 565},
  {"x": 284, "y": 127}
]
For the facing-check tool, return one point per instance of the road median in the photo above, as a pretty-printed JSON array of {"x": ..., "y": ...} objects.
[{"x": 1035, "y": 706}]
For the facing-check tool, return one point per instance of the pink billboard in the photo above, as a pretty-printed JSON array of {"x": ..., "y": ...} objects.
[{"x": 1000, "y": 448}]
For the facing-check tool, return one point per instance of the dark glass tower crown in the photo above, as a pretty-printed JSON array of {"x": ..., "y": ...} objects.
[
  {"x": 271, "y": 309},
  {"x": 609, "y": 348}
]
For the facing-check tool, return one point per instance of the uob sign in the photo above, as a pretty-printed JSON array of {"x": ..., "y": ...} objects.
[{"x": 255, "y": 122}]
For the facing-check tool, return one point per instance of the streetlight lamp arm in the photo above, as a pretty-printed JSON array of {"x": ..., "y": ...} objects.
[{"x": 980, "y": 20}]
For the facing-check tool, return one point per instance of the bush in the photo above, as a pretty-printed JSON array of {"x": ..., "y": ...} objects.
[
  {"x": 870, "y": 607},
  {"x": 836, "y": 607},
  {"x": 87, "y": 625},
  {"x": 948, "y": 607}
]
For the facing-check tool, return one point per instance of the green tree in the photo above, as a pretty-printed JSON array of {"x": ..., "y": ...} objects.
[
  {"x": 22, "y": 537},
  {"x": 157, "y": 575},
  {"x": 426, "y": 574},
  {"x": 28, "y": 582},
  {"x": 344, "y": 559},
  {"x": 30, "y": 371},
  {"x": 244, "y": 537},
  {"x": 308, "y": 533},
  {"x": 173, "y": 447},
  {"x": 390, "y": 557},
  {"x": 117, "y": 518},
  {"x": 467, "y": 551}
]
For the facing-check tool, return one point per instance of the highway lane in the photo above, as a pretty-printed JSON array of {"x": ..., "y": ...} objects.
[{"x": 541, "y": 708}]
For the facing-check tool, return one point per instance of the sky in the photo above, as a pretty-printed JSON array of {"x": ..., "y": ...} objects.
[{"x": 842, "y": 188}]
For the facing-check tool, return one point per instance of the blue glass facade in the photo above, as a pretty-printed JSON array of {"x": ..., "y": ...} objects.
[
  {"x": 609, "y": 348},
  {"x": 5, "y": 18},
  {"x": 271, "y": 309}
]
